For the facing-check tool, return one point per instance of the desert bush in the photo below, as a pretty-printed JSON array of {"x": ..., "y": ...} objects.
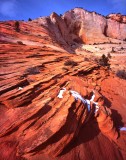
[
  {"x": 20, "y": 42},
  {"x": 86, "y": 59},
  {"x": 121, "y": 74},
  {"x": 32, "y": 71},
  {"x": 17, "y": 26},
  {"x": 104, "y": 61},
  {"x": 70, "y": 63}
]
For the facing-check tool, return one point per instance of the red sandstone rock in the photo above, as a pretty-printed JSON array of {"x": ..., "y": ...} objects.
[
  {"x": 40, "y": 122},
  {"x": 34, "y": 123}
]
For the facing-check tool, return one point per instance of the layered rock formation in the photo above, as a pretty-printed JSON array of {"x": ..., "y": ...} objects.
[
  {"x": 79, "y": 25},
  {"x": 36, "y": 124},
  {"x": 92, "y": 27}
]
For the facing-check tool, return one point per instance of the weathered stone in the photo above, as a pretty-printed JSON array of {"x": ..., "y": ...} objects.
[{"x": 36, "y": 124}]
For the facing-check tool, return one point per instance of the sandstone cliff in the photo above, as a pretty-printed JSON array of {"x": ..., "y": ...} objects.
[
  {"x": 92, "y": 27},
  {"x": 117, "y": 17},
  {"x": 79, "y": 25}
]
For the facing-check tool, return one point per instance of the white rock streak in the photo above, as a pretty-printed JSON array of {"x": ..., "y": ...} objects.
[
  {"x": 77, "y": 96},
  {"x": 60, "y": 95},
  {"x": 20, "y": 88},
  {"x": 96, "y": 104},
  {"x": 122, "y": 128}
]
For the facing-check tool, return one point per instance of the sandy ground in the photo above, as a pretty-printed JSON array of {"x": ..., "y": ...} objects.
[{"x": 117, "y": 52}]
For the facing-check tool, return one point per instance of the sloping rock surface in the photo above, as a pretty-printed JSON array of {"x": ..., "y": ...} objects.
[{"x": 36, "y": 124}]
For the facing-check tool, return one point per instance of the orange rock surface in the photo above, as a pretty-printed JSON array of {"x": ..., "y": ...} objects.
[{"x": 37, "y": 125}]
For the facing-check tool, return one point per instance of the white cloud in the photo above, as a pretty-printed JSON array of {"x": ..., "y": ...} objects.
[
  {"x": 119, "y": 5},
  {"x": 8, "y": 8}
]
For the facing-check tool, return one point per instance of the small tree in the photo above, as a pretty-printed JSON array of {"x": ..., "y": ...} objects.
[
  {"x": 17, "y": 26},
  {"x": 29, "y": 19}
]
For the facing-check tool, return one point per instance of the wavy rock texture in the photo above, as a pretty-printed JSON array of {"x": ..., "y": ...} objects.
[{"x": 34, "y": 123}]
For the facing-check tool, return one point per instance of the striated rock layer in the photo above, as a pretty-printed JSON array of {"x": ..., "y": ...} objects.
[{"x": 37, "y": 125}]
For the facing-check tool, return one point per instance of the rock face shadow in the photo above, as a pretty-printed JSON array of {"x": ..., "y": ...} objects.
[
  {"x": 117, "y": 118},
  {"x": 107, "y": 102},
  {"x": 87, "y": 133},
  {"x": 90, "y": 130}
]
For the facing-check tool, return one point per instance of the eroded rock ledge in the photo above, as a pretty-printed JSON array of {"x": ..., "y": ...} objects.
[{"x": 36, "y": 124}]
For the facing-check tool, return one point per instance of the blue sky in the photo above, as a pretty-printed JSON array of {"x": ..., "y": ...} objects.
[{"x": 24, "y": 9}]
